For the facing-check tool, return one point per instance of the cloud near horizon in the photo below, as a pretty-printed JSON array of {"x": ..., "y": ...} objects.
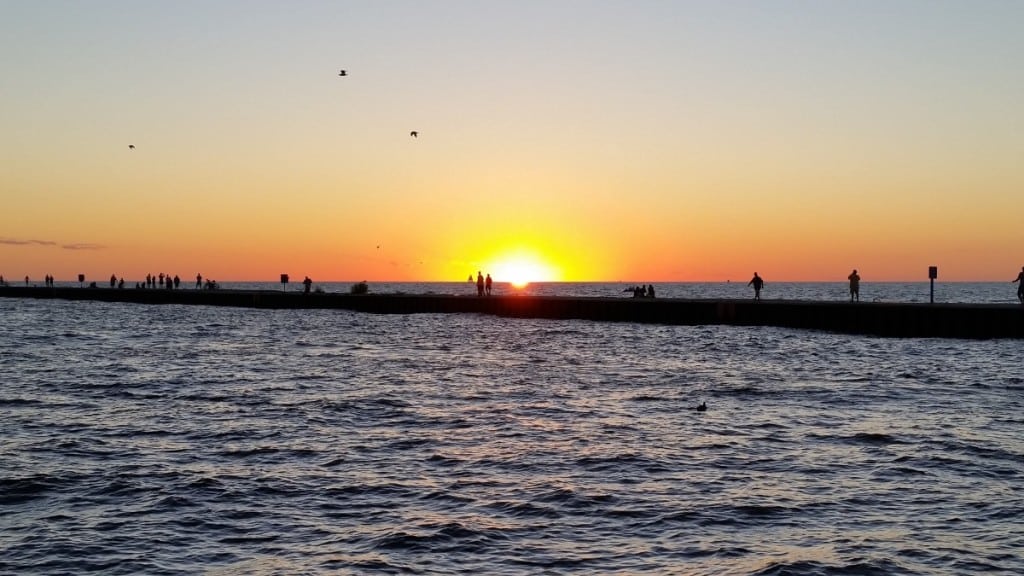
[
  {"x": 30, "y": 242},
  {"x": 21, "y": 242},
  {"x": 83, "y": 246}
]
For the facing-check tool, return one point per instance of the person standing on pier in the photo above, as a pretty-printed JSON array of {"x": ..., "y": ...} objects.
[
  {"x": 757, "y": 282},
  {"x": 1020, "y": 285},
  {"x": 199, "y": 281},
  {"x": 854, "y": 286},
  {"x": 488, "y": 283},
  {"x": 479, "y": 283}
]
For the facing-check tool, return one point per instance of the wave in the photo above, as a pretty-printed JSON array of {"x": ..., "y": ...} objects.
[
  {"x": 816, "y": 568},
  {"x": 15, "y": 491}
]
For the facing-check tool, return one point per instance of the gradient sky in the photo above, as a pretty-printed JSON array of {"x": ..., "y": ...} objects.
[{"x": 588, "y": 140}]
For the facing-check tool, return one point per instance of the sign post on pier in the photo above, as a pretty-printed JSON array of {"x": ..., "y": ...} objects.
[
  {"x": 284, "y": 282},
  {"x": 933, "y": 273}
]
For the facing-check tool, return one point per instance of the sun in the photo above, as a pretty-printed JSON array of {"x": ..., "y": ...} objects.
[{"x": 519, "y": 270}]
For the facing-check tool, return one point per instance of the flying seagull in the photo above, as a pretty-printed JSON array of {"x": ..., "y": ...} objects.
[
  {"x": 342, "y": 73},
  {"x": 414, "y": 134},
  {"x": 131, "y": 146}
]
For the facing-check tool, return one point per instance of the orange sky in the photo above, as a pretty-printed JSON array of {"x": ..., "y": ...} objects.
[{"x": 624, "y": 141}]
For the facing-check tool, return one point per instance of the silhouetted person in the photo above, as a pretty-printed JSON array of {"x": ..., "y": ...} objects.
[
  {"x": 120, "y": 284},
  {"x": 177, "y": 282},
  {"x": 161, "y": 279},
  {"x": 113, "y": 280},
  {"x": 487, "y": 284},
  {"x": 479, "y": 283},
  {"x": 650, "y": 290},
  {"x": 757, "y": 282},
  {"x": 26, "y": 280},
  {"x": 199, "y": 281},
  {"x": 854, "y": 286},
  {"x": 1020, "y": 285},
  {"x": 307, "y": 283}
]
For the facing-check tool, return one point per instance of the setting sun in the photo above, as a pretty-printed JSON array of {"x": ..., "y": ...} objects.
[{"x": 519, "y": 269}]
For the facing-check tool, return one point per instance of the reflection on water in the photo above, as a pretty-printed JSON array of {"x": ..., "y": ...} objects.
[{"x": 190, "y": 439}]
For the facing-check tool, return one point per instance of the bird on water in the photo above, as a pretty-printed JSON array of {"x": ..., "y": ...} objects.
[{"x": 703, "y": 407}]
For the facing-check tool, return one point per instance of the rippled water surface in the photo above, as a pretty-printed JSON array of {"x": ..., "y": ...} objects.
[{"x": 174, "y": 439}]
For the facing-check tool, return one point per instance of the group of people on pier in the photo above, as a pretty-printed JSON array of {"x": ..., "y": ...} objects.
[
  {"x": 483, "y": 285},
  {"x": 642, "y": 291},
  {"x": 758, "y": 283}
]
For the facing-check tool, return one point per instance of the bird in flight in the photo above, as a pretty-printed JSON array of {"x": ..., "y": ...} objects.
[
  {"x": 414, "y": 134},
  {"x": 131, "y": 146},
  {"x": 342, "y": 73}
]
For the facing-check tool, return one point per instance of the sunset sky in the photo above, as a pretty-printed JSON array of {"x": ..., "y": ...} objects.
[{"x": 564, "y": 140}]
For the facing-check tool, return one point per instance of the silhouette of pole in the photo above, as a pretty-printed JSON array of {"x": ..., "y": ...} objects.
[{"x": 933, "y": 273}]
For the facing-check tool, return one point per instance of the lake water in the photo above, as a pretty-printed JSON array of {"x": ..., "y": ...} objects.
[{"x": 187, "y": 439}]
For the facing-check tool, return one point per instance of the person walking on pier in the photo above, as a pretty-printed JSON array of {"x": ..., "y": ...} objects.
[
  {"x": 488, "y": 283},
  {"x": 757, "y": 282},
  {"x": 854, "y": 286},
  {"x": 1020, "y": 285}
]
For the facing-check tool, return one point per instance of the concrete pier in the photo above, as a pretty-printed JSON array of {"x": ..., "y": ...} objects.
[{"x": 976, "y": 321}]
